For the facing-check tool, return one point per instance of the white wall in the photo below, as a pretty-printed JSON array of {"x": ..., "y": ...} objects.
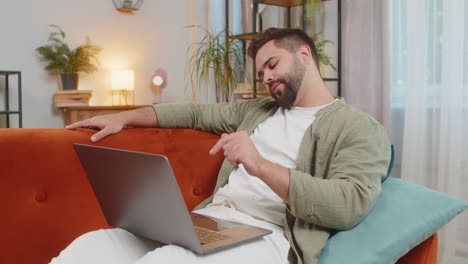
[{"x": 152, "y": 37}]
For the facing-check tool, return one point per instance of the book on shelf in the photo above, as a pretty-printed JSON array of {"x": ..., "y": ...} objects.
[
  {"x": 72, "y": 98},
  {"x": 70, "y": 104},
  {"x": 74, "y": 92},
  {"x": 245, "y": 92}
]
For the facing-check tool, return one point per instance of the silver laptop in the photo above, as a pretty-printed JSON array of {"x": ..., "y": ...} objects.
[{"x": 138, "y": 192}]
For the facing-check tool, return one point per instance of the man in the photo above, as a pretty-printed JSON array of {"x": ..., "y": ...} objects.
[{"x": 301, "y": 163}]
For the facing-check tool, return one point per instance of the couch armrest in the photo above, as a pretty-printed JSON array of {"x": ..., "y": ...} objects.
[{"x": 424, "y": 253}]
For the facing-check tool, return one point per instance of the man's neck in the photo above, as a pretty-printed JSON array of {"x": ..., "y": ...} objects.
[{"x": 314, "y": 94}]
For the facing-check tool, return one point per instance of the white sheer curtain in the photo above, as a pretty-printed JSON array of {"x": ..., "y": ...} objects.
[
  {"x": 430, "y": 104},
  {"x": 366, "y": 67},
  {"x": 406, "y": 63}
]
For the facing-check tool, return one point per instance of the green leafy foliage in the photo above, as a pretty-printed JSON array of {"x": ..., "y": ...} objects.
[
  {"x": 313, "y": 8},
  {"x": 218, "y": 59},
  {"x": 61, "y": 59},
  {"x": 323, "y": 57},
  {"x": 314, "y": 14}
]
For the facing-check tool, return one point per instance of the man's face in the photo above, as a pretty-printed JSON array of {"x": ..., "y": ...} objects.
[{"x": 281, "y": 72}]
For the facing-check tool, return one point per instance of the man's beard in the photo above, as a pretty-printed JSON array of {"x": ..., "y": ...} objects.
[{"x": 292, "y": 81}]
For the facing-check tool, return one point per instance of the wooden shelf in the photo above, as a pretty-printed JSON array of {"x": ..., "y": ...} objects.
[
  {"x": 283, "y": 3},
  {"x": 245, "y": 36},
  {"x": 104, "y": 107}
]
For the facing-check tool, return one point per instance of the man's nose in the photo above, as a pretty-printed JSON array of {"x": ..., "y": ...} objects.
[{"x": 267, "y": 79}]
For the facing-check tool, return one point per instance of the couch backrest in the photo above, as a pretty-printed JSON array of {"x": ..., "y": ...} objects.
[{"x": 48, "y": 199}]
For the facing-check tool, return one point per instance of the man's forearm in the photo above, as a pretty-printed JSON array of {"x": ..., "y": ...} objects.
[
  {"x": 142, "y": 117},
  {"x": 277, "y": 178}
]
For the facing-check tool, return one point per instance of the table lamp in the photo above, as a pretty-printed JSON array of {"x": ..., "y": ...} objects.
[{"x": 123, "y": 86}]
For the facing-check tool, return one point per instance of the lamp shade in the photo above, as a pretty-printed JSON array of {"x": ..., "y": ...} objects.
[
  {"x": 157, "y": 80},
  {"x": 160, "y": 78},
  {"x": 123, "y": 80}
]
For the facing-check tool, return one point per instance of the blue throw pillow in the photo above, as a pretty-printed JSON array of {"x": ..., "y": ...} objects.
[{"x": 405, "y": 215}]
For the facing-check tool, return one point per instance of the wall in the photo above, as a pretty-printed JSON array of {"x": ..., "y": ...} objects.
[{"x": 150, "y": 38}]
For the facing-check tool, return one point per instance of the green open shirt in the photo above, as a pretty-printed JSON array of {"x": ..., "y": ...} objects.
[{"x": 342, "y": 158}]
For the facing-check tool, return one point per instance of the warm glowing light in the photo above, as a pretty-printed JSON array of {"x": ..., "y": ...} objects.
[
  {"x": 123, "y": 80},
  {"x": 157, "y": 80}
]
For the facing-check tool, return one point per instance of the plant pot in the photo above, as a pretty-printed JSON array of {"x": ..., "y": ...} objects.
[
  {"x": 127, "y": 4},
  {"x": 69, "y": 81}
]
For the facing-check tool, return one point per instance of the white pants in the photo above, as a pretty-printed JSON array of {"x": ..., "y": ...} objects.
[{"x": 118, "y": 246}]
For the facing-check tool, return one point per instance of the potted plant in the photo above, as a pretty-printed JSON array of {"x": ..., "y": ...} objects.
[
  {"x": 323, "y": 57},
  {"x": 314, "y": 10},
  {"x": 68, "y": 62},
  {"x": 219, "y": 59},
  {"x": 315, "y": 24}
]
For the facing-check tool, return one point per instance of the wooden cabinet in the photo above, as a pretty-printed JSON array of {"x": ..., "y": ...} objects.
[{"x": 78, "y": 113}]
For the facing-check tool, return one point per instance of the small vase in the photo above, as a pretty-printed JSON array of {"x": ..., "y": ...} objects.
[{"x": 69, "y": 81}]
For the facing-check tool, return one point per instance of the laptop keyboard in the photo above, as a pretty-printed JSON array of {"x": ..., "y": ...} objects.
[{"x": 207, "y": 236}]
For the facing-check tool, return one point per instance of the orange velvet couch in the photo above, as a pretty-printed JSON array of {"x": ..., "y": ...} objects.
[{"x": 49, "y": 202}]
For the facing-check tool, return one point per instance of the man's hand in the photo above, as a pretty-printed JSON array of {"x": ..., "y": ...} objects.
[
  {"x": 114, "y": 123},
  {"x": 108, "y": 125},
  {"x": 239, "y": 149}
]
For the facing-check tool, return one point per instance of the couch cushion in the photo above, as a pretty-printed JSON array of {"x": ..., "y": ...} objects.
[
  {"x": 49, "y": 201},
  {"x": 405, "y": 215}
]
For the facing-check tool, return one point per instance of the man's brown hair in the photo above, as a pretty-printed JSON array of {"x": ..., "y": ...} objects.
[{"x": 286, "y": 38}]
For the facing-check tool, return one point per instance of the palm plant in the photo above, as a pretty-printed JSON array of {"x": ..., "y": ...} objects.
[
  {"x": 215, "y": 58},
  {"x": 314, "y": 8},
  {"x": 314, "y": 21},
  {"x": 62, "y": 59},
  {"x": 323, "y": 57}
]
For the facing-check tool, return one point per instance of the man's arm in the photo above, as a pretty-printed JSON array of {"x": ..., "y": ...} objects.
[
  {"x": 344, "y": 196},
  {"x": 214, "y": 118},
  {"x": 114, "y": 123},
  {"x": 338, "y": 201}
]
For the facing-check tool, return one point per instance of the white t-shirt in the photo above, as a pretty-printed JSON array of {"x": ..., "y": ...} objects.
[{"x": 277, "y": 139}]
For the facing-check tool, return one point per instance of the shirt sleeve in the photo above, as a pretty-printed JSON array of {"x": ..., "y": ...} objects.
[
  {"x": 345, "y": 195},
  {"x": 213, "y": 118}
]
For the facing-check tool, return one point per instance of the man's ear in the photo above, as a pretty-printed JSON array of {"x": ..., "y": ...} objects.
[{"x": 305, "y": 54}]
